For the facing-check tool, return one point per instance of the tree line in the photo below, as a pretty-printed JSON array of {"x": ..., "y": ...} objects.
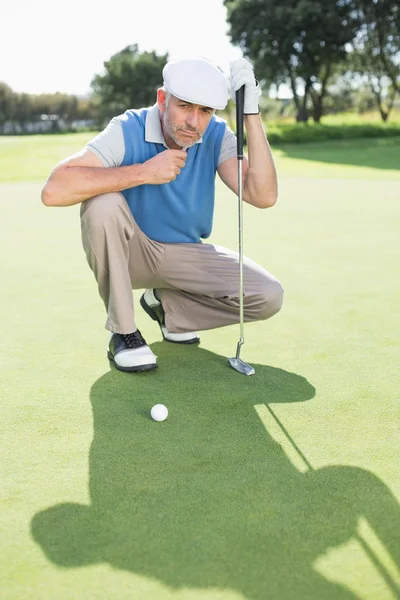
[
  {"x": 20, "y": 112},
  {"x": 309, "y": 43},
  {"x": 323, "y": 50}
]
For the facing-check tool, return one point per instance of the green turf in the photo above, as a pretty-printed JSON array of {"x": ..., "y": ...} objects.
[
  {"x": 99, "y": 502},
  {"x": 345, "y": 159},
  {"x": 31, "y": 158}
]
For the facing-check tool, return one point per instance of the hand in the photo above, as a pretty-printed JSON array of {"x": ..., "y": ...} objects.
[
  {"x": 165, "y": 166},
  {"x": 242, "y": 74}
]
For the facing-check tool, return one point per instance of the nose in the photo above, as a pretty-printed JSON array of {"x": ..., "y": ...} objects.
[{"x": 192, "y": 119}]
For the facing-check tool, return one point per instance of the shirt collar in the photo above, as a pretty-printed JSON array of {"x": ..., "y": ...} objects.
[{"x": 153, "y": 132}]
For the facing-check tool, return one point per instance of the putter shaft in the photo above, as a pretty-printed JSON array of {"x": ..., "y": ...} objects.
[
  {"x": 240, "y": 207},
  {"x": 237, "y": 363}
]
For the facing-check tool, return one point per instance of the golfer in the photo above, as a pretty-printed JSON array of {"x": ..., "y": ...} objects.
[{"x": 146, "y": 185}]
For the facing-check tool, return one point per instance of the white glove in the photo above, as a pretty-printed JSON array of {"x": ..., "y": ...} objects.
[{"x": 242, "y": 74}]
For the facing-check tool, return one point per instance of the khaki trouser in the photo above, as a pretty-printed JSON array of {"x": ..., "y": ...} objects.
[{"x": 198, "y": 284}]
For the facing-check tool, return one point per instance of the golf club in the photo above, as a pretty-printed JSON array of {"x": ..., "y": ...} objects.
[{"x": 237, "y": 363}]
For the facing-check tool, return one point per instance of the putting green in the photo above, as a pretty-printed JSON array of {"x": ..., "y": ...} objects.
[{"x": 281, "y": 486}]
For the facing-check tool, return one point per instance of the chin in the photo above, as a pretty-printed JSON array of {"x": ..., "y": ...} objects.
[{"x": 187, "y": 144}]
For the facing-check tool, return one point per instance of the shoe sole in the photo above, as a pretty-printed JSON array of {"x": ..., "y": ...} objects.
[
  {"x": 137, "y": 369},
  {"x": 153, "y": 316}
]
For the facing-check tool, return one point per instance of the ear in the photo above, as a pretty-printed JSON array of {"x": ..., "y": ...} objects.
[{"x": 161, "y": 98}]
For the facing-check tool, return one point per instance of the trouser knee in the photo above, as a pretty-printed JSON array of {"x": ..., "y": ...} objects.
[
  {"x": 99, "y": 210},
  {"x": 270, "y": 302}
]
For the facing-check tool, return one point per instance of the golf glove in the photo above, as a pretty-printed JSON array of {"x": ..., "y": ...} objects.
[{"x": 242, "y": 74}]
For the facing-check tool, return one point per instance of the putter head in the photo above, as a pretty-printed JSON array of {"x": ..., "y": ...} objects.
[{"x": 240, "y": 366}]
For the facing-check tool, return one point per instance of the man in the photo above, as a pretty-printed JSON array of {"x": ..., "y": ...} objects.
[{"x": 146, "y": 184}]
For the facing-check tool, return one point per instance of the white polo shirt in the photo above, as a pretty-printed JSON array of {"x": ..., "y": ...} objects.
[{"x": 109, "y": 145}]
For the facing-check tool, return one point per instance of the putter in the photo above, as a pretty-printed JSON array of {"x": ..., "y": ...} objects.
[{"x": 237, "y": 363}]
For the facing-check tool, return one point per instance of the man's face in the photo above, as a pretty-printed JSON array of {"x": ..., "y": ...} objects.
[{"x": 183, "y": 123}]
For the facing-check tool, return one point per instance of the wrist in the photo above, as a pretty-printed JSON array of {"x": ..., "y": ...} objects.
[
  {"x": 141, "y": 174},
  {"x": 251, "y": 97},
  {"x": 251, "y": 108},
  {"x": 251, "y": 118}
]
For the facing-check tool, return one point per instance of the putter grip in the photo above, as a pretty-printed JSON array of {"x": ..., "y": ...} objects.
[{"x": 239, "y": 121}]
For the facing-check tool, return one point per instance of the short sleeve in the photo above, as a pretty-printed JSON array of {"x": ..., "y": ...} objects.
[
  {"x": 228, "y": 146},
  {"x": 109, "y": 145}
]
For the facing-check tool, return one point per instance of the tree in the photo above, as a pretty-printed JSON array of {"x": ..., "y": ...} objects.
[
  {"x": 23, "y": 109},
  {"x": 379, "y": 37},
  {"x": 295, "y": 41},
  {"x": 130, "y": 80},
  {"x": 6, "y": 103},
  {"x": 20, "y": 111},
  {"x": 368, "y": 66},
  {"x": 376, "y": 51}
]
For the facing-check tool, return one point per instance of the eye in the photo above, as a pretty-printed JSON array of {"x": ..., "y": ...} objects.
[{"x": 207, "y": 111}]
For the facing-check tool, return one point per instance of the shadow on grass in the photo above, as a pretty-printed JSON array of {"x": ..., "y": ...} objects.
[
  {"x": 381, "y": 153},
  {"x": 207, "y": 499}
]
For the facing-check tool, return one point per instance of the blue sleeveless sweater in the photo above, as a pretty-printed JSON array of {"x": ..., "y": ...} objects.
[{"x": 180, "y": 211}]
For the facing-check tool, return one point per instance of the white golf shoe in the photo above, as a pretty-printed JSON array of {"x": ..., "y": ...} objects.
[
  {"x": 153, "y": 307},
  {"x": 129, "y": 352}
]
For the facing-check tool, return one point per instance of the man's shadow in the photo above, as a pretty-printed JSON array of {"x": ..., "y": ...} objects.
[{"x": 207, "y": 499}]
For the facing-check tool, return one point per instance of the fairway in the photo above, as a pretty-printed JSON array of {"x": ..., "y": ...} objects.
[{"x": 281, "y": 486}]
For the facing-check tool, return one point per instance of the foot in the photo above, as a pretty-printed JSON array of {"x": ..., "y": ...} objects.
[
  {"x": 151, "y": 304},
  {"x": 129, "y": 352}
]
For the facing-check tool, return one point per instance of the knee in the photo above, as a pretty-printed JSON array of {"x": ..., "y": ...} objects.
[
  {"x": 271, "y": 301},
  {"x": 99, "y": 210}
]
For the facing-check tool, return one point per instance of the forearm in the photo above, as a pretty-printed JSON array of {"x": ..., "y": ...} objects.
[
  {"x": 260, "y": 186},
  {"x": 68, "y": 185}
]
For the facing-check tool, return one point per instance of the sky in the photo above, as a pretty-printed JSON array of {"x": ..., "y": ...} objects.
[{"x": 61, "y": 46}]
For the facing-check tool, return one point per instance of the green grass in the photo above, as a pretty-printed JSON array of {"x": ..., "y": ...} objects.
[
  {"x": 31, "y": 158},
  {"x": 341, "y": 126},
  {"x": 367, "y": 117},
  {"x": 99, "y": 502},
  {"x": 353, "y": 159},
  {"x": 300, "y": 133},
  {"x": 351, "y": 118}
]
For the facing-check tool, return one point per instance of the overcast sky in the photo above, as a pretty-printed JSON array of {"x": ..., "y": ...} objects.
[{"x": 48, "y": 46}]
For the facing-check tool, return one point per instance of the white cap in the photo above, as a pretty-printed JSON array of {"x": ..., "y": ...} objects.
[{"x": 196, "y": 80}]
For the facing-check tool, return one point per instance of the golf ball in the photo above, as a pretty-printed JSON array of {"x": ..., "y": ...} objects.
[{"x": 159, "y": 412}]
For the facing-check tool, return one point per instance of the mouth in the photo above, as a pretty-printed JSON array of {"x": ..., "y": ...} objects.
[{"x": 189, "y": 133}]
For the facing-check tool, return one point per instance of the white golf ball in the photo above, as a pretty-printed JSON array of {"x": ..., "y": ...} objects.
[{"x": 159, "y": 412}]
